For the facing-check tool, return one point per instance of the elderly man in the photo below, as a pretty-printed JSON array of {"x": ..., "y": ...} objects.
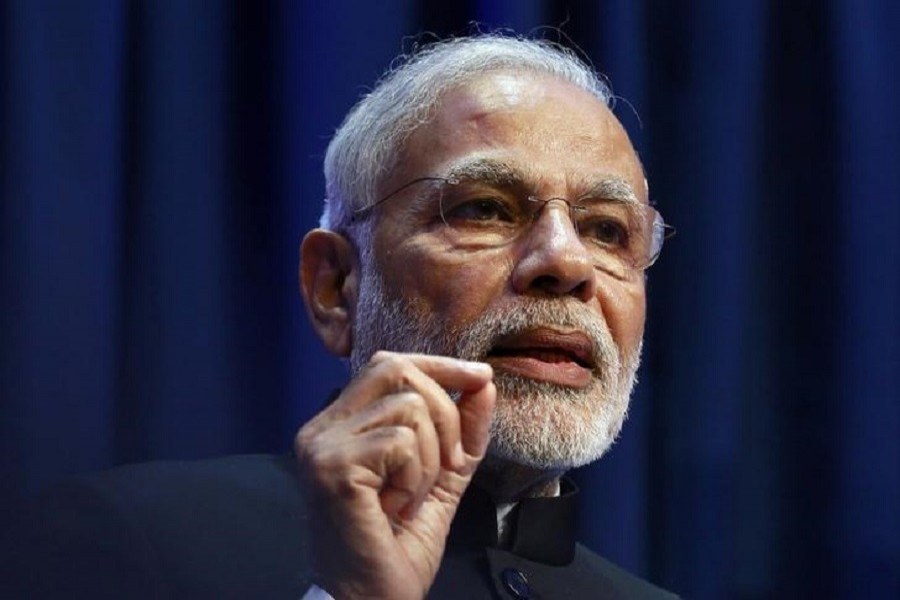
[{"x": 481, "y": 262}]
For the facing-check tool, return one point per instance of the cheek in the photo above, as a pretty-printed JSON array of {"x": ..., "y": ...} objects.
[
  {"x": 455, "y": 287},
  {"x": 624, "y": 307}
]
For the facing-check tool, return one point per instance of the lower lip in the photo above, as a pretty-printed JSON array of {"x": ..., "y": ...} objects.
[{"x": 568, "y": 374}]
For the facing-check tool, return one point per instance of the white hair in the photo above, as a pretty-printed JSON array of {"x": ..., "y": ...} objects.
[{"x": 368, "y": 144}]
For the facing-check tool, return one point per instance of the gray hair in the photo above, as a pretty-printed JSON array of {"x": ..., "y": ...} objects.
[{"x": 368, "y": 144}]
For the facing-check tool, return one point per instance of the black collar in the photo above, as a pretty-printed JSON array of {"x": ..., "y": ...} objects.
[{"x": 543, "y": 529}]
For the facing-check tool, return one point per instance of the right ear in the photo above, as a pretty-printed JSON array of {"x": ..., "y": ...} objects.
[{"x": 329, "y": 278}]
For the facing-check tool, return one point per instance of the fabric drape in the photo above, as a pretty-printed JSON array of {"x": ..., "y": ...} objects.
[{"x": 160, "y": 162}]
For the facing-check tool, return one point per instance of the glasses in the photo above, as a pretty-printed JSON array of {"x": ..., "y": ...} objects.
[{"x": 621, "y": 236}]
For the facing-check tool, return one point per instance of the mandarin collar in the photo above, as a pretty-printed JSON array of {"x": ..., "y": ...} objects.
[{"x": 543, "y": 529}]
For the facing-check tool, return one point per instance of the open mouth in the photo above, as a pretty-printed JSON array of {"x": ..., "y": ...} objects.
[
  {"x": 548, "y": 355},
  {"x": 565, "y": 358}
]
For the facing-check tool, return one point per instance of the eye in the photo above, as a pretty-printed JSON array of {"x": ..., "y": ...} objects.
[
  {"x": 605, "y": 231},
  {"x": 477, "y": 210}
]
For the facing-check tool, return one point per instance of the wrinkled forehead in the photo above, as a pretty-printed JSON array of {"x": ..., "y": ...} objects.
[{"x": 532, "y": 126}]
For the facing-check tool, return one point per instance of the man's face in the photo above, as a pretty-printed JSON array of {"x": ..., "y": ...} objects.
[{"x": 563, "y": 336}]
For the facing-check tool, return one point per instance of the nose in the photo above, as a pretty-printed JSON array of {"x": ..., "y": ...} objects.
[{"x": 552, "y": 260}]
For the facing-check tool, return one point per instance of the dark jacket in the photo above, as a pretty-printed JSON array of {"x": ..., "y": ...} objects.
[{"x": 235, "y": 528}]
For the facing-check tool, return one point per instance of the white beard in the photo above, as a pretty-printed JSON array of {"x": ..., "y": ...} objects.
[{"x": 536, "y": 423}]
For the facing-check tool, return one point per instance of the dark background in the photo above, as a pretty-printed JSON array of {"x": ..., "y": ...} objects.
[{"x": 161, "y": 160}]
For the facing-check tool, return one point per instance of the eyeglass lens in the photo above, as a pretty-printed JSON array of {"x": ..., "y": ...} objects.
[{"x": 621, "y": 236}]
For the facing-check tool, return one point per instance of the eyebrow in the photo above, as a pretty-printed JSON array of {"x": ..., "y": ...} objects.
[
  {"x": 502, "y": 174},
  {"x": 611, "y": 188},
  {"x": 488, "y": 171}
]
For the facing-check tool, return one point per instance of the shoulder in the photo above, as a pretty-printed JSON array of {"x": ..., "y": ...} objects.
[
  {"x": 626, "y": 584},
  {"x": 162, "y": 481},
  {"x": 243, "y": 471},
  {"x": 212, "y": 528},
  {"x": 175, "y": 497}
]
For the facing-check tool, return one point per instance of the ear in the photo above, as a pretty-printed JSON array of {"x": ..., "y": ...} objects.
[{"x": 329, "y": 278}]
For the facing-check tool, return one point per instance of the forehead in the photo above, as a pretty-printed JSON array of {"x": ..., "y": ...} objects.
[{"x": 556, "y": 132}]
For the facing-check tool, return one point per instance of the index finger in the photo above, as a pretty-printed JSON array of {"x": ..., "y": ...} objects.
[{"x": 449, "y": 372}]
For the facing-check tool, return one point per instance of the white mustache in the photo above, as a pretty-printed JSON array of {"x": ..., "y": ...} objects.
[{"x": 475, "y": 341}]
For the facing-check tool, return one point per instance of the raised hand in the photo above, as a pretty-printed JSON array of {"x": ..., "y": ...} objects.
[{"x": 385, "y": 466}]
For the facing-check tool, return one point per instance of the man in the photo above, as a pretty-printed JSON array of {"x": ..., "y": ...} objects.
[{"x": 481, "y": 262}]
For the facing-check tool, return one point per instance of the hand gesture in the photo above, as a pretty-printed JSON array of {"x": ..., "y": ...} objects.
[{"x": 385, "y": 466}]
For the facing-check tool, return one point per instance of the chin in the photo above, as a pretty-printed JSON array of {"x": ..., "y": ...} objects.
[{"x": 549, "y": 427}]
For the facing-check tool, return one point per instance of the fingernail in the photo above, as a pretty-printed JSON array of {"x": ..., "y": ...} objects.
[{"x": 478, "y": 368}]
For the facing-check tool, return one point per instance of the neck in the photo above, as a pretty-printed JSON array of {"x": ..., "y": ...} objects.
[{"x": 509, "y": 482}]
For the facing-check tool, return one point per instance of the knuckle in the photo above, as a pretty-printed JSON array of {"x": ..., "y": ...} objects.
[
  {"x": 315, "y": 451},
  {"x": 401, "y": 441},
  {"x": 401, "y": 435},
  {"x": 312, "y": 467},
  {"x": 311, "y": 459},
  {"x": 386, "y": 360},
  {"x": 397, "y": 370},
  {"x": 346, "y": 489},
  {"x": 411, "y": 410},
  {"x": 411, "y": 402},
  {"x": 429, "y": 474},
  {"x": 303, "y": 445},
  {"x": 380, "y": 356},
  {"x": 376, "y": 363},
  {"x": 405, "y": 454}
]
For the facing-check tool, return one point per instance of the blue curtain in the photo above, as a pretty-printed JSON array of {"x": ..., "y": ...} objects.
[{"x": 160, "y": 161}]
